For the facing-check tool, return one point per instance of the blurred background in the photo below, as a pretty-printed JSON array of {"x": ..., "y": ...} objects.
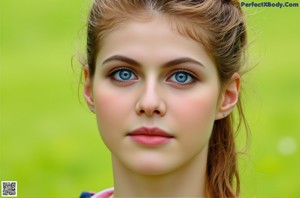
[{"x": 49, "y": 140}]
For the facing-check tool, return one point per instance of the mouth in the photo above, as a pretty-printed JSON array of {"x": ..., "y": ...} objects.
[{"x": 150, "y": 136}]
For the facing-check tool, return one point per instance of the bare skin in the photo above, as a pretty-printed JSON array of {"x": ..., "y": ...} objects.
[{"x": 148, "y": 75}]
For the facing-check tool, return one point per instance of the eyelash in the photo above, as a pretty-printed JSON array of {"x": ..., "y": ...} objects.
[
  {"x": 114, "y": 71},
  {"x": 190, "y": 73}
]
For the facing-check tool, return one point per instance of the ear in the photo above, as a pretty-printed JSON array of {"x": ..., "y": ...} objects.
[
  {"x": 230, "y": 96},
  {"x": 88, "y": 88}
]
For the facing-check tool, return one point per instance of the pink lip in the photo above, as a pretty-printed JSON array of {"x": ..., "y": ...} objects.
[{"x": 150, "y": 136}]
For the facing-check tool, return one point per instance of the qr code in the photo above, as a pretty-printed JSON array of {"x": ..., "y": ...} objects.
[{"x": 9, "y": 188}]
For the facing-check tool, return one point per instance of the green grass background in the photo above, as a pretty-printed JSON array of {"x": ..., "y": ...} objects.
[{"x": 49, "y": 139}]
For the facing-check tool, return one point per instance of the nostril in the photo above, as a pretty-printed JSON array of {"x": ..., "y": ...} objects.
[
  {"x": 150, "y": 113},
  {"x": 156, "y": 112}
]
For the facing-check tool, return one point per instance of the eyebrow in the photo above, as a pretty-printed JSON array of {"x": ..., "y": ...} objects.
[{"x": 165, "y": 65}]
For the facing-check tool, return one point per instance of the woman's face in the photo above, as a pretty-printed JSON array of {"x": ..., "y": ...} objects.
[{"x": 155, "y": 94}]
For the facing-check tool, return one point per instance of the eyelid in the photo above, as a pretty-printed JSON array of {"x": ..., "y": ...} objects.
[
  {"x": 121, "y": 82},
  {"x": 193, "y": 75},
  {"x": 113, "y": 71}
]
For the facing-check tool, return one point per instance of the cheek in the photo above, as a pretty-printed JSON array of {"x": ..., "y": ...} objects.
[
  {"x": 195, "y": 113},
  {"x": 111, "y": 107}
]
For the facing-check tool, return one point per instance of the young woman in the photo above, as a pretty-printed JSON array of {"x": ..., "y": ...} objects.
[{"x": 163, "y": 77}]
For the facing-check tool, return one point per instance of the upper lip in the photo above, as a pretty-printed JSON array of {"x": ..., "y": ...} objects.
[{"x": 150, "y": 132}]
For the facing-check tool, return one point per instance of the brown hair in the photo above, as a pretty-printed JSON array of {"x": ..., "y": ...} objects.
[{"x": 219, "y": 25}]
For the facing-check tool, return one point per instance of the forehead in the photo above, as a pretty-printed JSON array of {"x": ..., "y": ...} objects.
[{"x": 153, "y": 40}]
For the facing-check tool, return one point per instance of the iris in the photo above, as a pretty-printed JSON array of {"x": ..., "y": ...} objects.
[{"x": 181, "y": 77}]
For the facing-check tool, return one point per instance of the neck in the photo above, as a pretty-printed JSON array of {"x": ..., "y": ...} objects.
[{"x": 186, "y": 181}]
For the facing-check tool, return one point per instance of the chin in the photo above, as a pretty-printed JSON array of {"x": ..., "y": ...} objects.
[
  {"x": 151, "y": 171},
  {"x": 151, "y": 166}
]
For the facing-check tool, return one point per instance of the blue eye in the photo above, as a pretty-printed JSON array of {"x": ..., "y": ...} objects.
[
  {"x": 123, "y": 75},
  {"x": 182, "y": 77}
]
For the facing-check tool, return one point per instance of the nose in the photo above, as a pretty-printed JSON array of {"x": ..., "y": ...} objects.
[{"x": 151, "y": 102}]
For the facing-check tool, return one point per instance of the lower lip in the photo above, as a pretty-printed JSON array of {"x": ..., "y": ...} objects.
[{"x": 150, "y": 140}]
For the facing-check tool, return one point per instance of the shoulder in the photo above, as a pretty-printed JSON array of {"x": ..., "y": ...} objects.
[{"x": 102, "y": 194}]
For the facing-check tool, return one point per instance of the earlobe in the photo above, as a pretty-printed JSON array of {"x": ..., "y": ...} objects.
[
  {"x": 88, "y": 89},
  {"x": 229, "y": 97}
]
